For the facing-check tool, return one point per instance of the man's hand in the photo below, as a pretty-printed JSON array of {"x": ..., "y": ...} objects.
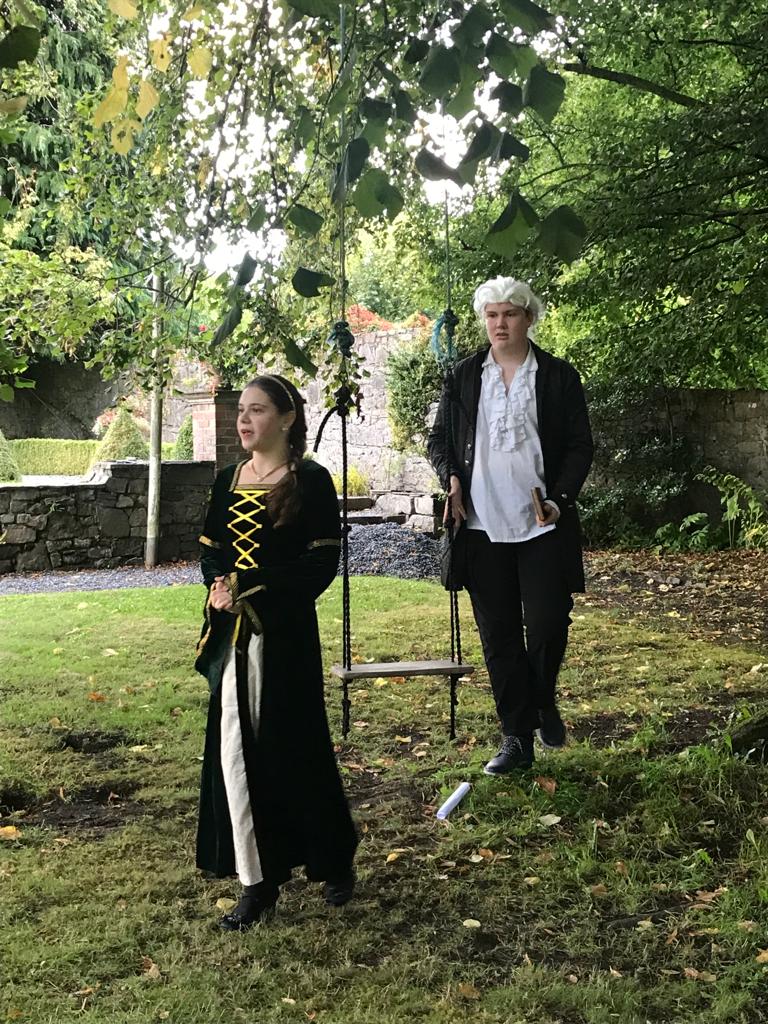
[
  {"x": 553, "y": 514},
  {"x": 221, "y": 596},
  {"x": 455, "y": 502}
]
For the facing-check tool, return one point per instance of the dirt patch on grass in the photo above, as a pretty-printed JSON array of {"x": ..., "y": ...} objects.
[
  {"x": 718, "y": 595},
  {"x": 686, "y": 727},
  {"x": 93, "y": 741},
  {"x": 95, "y": 808}
]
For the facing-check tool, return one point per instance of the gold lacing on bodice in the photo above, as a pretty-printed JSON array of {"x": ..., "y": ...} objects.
[{"x": 244, "y": 525}]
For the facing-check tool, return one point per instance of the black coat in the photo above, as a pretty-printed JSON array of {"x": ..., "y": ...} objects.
[{"x": 564, "y": 431}]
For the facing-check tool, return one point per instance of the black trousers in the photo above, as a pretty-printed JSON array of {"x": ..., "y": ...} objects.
[{"x": 522, "y": 607}]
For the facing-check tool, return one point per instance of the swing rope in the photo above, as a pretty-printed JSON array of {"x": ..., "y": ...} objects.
[{"x": 342, "y": 341}]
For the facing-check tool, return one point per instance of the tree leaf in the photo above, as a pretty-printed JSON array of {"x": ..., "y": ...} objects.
[
  {"x": 338, "y": 101},
  {"x": 510, "y": 146},
  {"x": 257, "y": 218},
  {"x": 124, "y": 8},
  {"x": 306, "y": 128},
  {"x": 501, "y": 56},
  {"x": 316, "y": 8},
  {"x": 464, "y": 100},
  {"x": 113, "y": 104},
  {"x": 441, "y": 72},
  {"x": 14, "y": 106},
  {"x": 352, "y": 164},
  {"x": 510, "y": 97},
  {"x": 376, "y": 110},
  {"x": 476, "y": 22},
  {"x": 227, "y": 326},
  {"x": 433, "y": 168},
  {"x": 297, "y": 357},
  {"x": 416, "y": 52},
  {"x": 527, "y": 15},
  {"x": 161, "y": 55},
  {"x": 200, "y": 61},
  {"x": 193, "y": 12},
  {"x": 309, "y": 282},
  {"x": 374, "y": 195},
  {"x": 544, "y": 92},
  {"x": 307, "y": 221},
  {"x": 562, "y": 234},
  {"x": 20, "y": 44},
  {"x": 123, "y": 131},
  {"x": 484, "y": 144},
  {"x": 246, "y": 271},
  {"x": 404, "y": 109},
  {"x": 511, "y": 229},
  {"x": 148, "y": 99}
]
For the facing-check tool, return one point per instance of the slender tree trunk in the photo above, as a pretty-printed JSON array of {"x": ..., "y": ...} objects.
[{"x": 155, "y": 440}]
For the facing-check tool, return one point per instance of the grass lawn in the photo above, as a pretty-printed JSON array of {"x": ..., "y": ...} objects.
[{"x": 623, "y": 879}]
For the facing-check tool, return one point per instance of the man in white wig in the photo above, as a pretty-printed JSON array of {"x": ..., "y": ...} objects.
[{"x": 515, "y": 419}]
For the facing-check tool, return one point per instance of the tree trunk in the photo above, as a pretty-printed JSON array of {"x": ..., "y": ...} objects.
[{"x": 155, "y": 441}]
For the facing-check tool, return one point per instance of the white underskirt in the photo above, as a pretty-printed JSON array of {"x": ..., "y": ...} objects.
[{"x": 247, "y": 860}]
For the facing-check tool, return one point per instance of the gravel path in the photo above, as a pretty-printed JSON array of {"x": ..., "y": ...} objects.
[{"x": 383, "y": 550}]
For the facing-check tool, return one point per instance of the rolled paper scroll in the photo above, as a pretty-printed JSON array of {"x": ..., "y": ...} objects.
[{"x": 453, "y": 800}]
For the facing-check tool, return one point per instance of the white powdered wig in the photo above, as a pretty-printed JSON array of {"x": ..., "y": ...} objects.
[{"x": 508, "y": 289}]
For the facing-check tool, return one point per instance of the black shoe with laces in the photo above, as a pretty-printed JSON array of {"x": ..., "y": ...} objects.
[
  {"x": 551, "y": 731},
  {"x": 257, "y": 903},
  {"x": 338, "y": 891},
  {"x": 516, "y": 752}
]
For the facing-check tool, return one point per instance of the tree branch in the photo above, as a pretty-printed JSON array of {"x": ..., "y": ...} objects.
[{"x": 641, "y": 84}]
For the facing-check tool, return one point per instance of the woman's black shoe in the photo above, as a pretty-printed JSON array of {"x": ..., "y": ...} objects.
[
  {"x": 256, "y": 904},
  {"x": 338, "y": 891}
]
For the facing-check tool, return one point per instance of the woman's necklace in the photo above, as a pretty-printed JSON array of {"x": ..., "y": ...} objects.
[{"x": 269, "y": 472}]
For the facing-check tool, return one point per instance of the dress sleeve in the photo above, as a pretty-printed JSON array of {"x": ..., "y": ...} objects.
[
  {"x": 315, "y": 568},
  {"x": 213, "y": 535}
]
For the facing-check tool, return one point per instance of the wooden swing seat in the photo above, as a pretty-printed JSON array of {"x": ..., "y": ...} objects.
[
  {"x": 452, "y": 669},
  {"x": 403, "y": 668}
]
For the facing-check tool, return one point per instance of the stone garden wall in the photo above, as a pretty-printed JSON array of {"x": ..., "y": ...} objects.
[{"x": 101, "y": 523}]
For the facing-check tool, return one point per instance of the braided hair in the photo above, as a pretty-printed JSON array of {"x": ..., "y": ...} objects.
[{"x": 284, "y": 499}]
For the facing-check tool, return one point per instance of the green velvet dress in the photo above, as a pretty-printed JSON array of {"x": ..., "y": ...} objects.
[{"x": 299, "y": 811}]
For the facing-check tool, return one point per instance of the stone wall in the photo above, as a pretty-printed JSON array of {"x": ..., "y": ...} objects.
[
  {"x": 64, "y": 402},
  {"x": 101, "y": 522},
  {"x": 369, "y": 436},
  {"x": 725, "y": 429}
]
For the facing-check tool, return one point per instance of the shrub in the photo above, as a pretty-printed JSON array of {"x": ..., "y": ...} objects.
[
  {"x": 9, "y": 467},
  {"x": 183, "y": 449},
  {"x": 745, "y": 511},
  {"x": 122, "y": 440},
  {"x": 358, "y": 484},
  {"x": 53, "y": 456}
]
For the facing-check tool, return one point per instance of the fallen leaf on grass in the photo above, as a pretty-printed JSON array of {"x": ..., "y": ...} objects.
[
  {"x": 9, "y": 832},
  {"x": 645, "y": 925},
  {"x": 573, "y": 978},
  {"x": 548, "y": 785},
  {"x": 762, "y": 956},
  {"x": 468, "y": 991},
  {"x": 747, "y": 926},
  {"x": 614, "y": 973},
  {"x": 149, "y": 969},
  {"x": 94, "y": 695},
  {"x": 402, "y": 739},
  {"x": 476, "y": 858},
  {"x": 225, "y": 904},
  {"x": 58, "y": 650},
  {"x": 707, "y": 897},
  {"x": 87, "y": 991},
  {"x": 545, "y": 857},
  {"x": 691, "y": 972},
  {"x": 549, "y": 820},
  {"x": 108, "y": 652},
  {"x": 598, "y": 890},
  {"x": 470, "y": 922},
  {"x": 138, "y": 748},
  {"x": 395, "y": 854},
  {"x": 288, "y": 1000},
  {"x": 485, "y": 853},
  {"x": 621, "y": 868},
  {"x": 532, "y": 880}
]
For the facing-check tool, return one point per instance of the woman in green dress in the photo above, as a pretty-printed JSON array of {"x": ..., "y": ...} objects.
[{"x": 271, "y": 797}]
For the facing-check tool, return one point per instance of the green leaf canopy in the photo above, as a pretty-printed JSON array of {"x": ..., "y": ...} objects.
[
  {"x": 375, "y": 195},
  {"x": 526, "y": 15},
  {"x": 434, "y": 169}
]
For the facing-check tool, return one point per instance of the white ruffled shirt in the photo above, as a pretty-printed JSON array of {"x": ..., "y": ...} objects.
[{"x": 508, "y": 459}]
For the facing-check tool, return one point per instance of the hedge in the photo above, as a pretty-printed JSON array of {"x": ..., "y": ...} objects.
[
  {"x": 9, "y": 467},
  {"x": 53, "y": 456}
]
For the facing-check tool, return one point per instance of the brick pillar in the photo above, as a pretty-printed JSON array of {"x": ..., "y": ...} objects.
[{"x": 214, "y": 430}]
